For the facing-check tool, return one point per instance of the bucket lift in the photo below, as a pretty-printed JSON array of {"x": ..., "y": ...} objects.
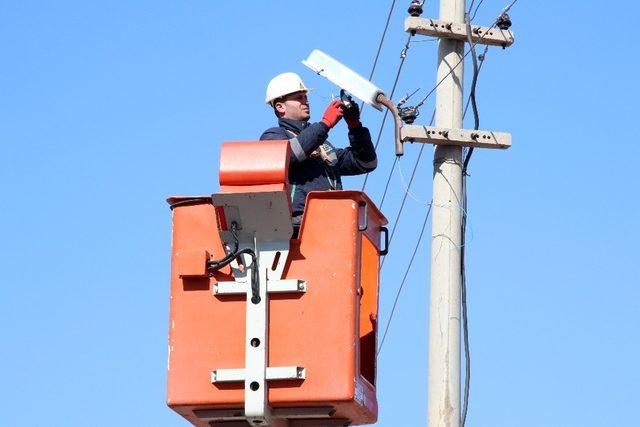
[{"x": 265, "y": 330}]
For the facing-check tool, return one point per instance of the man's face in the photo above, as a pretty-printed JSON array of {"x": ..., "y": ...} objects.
[{"x": 294, "y": 106}]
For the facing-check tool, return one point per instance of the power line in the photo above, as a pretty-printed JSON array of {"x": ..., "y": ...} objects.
[
  {"x": 464, "y": 222},
  {"x": 476, "y": 11},
  {"x": 463, "y": 281},
  {"x": 407, "y": 190},
  {"x": 386, "y": 186},
  {"x": 404, "y": 278},
  {"x": 481, "y": 57},
  {"x": 471, "y": 5},
  {"x": 464, "y": 56},
  {"x": 403, "y": 56},
  {"x": 384, "y": 34},
  {"x": 406, "y": 193}
]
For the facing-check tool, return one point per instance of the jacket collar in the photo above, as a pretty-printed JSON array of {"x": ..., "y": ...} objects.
[{"x": 293, "y": 125}]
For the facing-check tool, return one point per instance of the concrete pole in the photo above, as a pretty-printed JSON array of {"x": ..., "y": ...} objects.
[{"x": 444, "y": 317}]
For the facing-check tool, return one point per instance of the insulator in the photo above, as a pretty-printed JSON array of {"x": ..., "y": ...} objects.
[
  {"x": 504, "y": 22},
  {"x": 415, "y": 8},
  {"x": 408, "y": 114}
]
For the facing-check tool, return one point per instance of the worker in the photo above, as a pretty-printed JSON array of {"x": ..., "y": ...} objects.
[{"x": 316, "y": 165}]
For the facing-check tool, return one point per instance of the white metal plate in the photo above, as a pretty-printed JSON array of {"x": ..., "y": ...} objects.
[{"x": 266, "y": 215}]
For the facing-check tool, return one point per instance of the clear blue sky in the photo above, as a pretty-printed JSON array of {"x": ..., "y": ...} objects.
[{"x": 107, "y": 108}]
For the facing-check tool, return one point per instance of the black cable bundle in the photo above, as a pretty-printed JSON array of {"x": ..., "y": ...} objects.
[{"x": 214, "y": 265}]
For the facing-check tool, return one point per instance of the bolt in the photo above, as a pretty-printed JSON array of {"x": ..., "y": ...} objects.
[
  {"x": 445, "y": 133},
  {"x": 474, "y": 136},
  {"x": 448, "y": 26}
]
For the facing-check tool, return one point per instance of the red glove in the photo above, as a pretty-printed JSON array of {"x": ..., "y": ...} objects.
[{"x": 333, "y": 114}]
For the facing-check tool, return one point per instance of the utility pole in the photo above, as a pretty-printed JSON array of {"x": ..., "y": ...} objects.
[
  {"x": 448, "y": 137},
  {"x": 444, "y": 313}
]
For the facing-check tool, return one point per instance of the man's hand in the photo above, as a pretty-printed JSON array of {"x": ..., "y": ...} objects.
[
  {"x": 352, "y": 115},
  {"x": 333, "y": 114}
]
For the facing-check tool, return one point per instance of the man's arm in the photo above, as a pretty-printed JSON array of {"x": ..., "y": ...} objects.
[
  {"x": 360, "y": 156},
  {"x": 303, "y": 144}
]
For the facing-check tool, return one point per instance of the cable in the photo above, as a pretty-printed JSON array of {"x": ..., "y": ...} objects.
[
  {"x": 404, "y": 278},
  {"x": 463, "y": 222},
  {"x": 476, "y": 11},
  {"x": 404, "y": 199},
  {"x": 190, "y": 201},
  {"x": 472, "y": 93},
  {"x": 403, "y": 56},
  {"x": 425, "y": 40},
  {"x": 406, "y": 193},
  {"x": 407, "y": 190},
  {"x": 227, "y": 259},
  {"x": 384, "y": 34},
  {"x": 214, "y": 265},
  {"x": 386, "y": 187},
  {"x": 471, "y": 6},
  {"x": 481, "y": 57},
  {"x": 463, "y": 57}
]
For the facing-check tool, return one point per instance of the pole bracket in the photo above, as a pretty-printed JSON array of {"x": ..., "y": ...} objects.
[
  {"x": 458, "y": 137},
  {"x": 458, "y": 31}
]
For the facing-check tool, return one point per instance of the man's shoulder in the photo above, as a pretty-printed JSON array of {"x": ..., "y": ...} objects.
[{"x": 274, "y": 133}]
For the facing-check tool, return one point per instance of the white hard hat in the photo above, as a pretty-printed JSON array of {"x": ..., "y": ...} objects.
[{"x": 284, "y": 84}]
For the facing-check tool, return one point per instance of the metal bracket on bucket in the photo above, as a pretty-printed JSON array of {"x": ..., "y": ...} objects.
[{"x": 264, "y": 222}]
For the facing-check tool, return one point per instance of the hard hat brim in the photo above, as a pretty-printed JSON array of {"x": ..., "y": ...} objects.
[{"x": 306, "y": 90}]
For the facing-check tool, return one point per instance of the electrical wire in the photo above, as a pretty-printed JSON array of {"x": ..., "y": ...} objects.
[
  {"x": 384, "y": 34},
  {"x": 404, "y": 199},
  {"x": 403, "y": 56},
  {"x": 481, "y": 58},
  {"x": 190, "y": 201},
  {"x": 463, "y": 57},
  {"x": 406, "y": 193},
  {"x": 386, "y": 186},
  {"x": 425, "y": 40},
  {"x": 227, "y": 259},
  {"x": 404, "y": 279},
  {"x": 463, "y": 222},
  {"x": 471, "y": 5},
  {"x": 473, "y": 16},
  {"x": 214, "y": 265}
]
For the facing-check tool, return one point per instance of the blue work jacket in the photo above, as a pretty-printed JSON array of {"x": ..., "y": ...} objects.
[{"x": 308, "y": 172}]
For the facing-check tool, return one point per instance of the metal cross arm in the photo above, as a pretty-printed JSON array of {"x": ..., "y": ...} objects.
[
  {"x": 457, "y": 137},
  {"x": 458, "y": 31}
]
